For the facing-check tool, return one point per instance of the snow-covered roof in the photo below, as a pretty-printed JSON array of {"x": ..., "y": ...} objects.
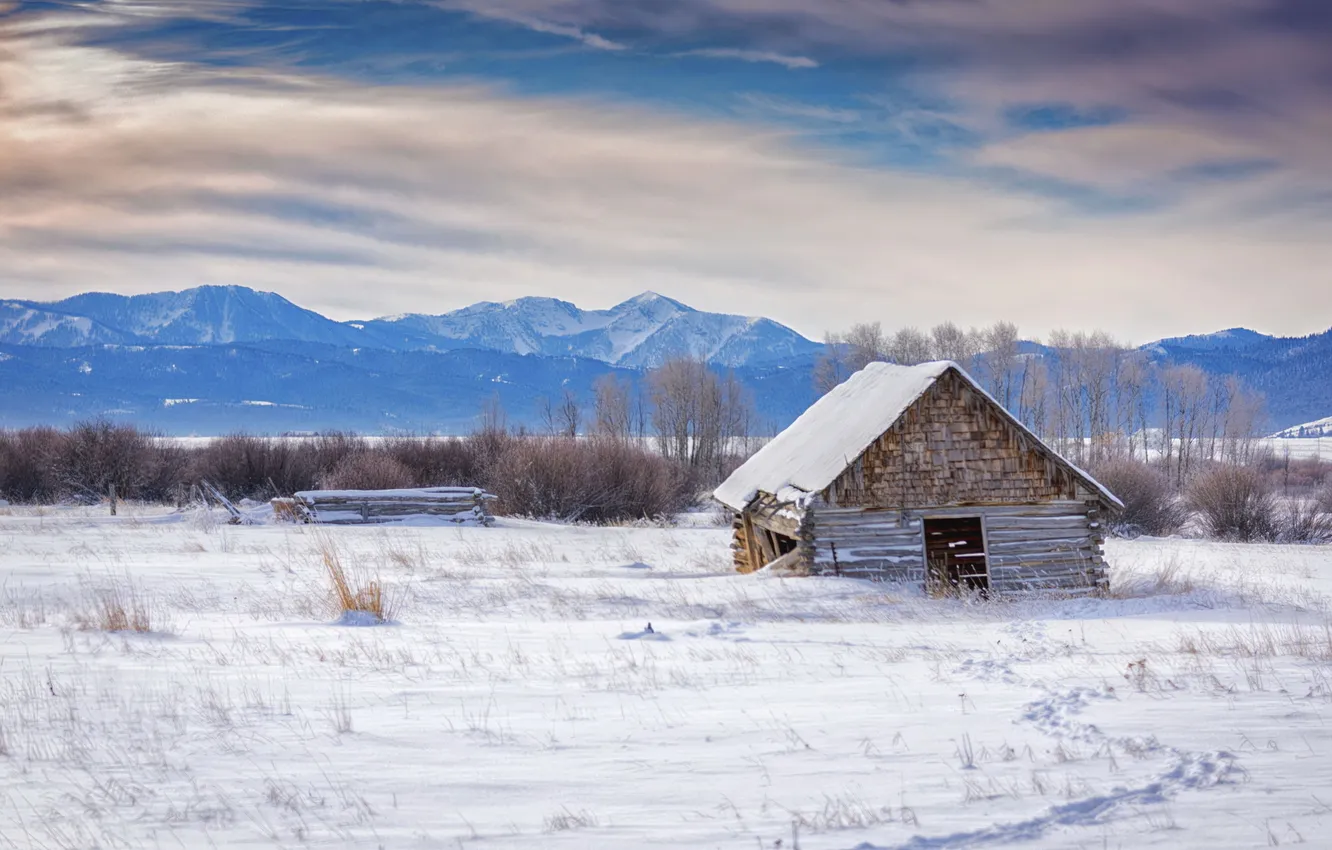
[{"x": 823, "y": 441}]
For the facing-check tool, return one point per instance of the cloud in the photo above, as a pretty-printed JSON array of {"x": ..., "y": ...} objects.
[
  {"x": 360, "y": 199},
  {"x": 1250, "y": 73},
  {"x": 792, "y": 62},
  {"x": 590, "y": 39}
]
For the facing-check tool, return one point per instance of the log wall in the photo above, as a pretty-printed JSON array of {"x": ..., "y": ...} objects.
[{"x": 1044, "y": 546}]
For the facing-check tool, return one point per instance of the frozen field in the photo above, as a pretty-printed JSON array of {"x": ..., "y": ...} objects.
[{"x": 519, "y": 702}]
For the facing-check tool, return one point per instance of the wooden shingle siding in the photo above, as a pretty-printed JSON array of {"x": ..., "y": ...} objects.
[{"x": 952, "y": 447}]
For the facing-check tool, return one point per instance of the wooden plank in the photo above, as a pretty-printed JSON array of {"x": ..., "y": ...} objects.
[{"x": 786, "y": 526}]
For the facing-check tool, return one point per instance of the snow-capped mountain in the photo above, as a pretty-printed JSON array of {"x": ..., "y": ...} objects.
[
  {"x": 28, "y": 323},
  {"x": 216, "y": 315},
  {"x": 642, "y": 332},
  {"x": 204, "y": 315}
]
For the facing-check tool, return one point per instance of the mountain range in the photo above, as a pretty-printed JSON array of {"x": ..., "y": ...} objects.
[
  {"x": 642, "y": 332},
  {"x": 216, "y": 359}
]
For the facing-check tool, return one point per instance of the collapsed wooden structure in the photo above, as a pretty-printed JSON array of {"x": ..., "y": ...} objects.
[
  {"x": 462, "y": 505},
  {"x": 915, "y": 474}
]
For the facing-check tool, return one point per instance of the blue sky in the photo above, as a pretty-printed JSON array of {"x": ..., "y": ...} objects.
[{"x": 1151, "y": 167}]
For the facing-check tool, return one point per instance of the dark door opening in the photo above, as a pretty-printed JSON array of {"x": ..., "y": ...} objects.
[{"x": 955, "y": 556}]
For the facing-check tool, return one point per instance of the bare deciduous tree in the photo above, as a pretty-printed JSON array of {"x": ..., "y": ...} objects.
[
  {"x": 909, "y": 346},
  {"x": 612, "y": 408},
  {"x": 698, "y": 414}
]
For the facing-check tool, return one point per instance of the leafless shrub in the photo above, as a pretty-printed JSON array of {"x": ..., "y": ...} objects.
[
  {"x": 1150, "y": 504},
  {"x": 1304, "y": 521},
  {"x": 242, "y": 465},
  {"x": 26, "y": 458},
  {"x": 367, "y": 470},
  {"x": 437, "y": 461},
  {"x": 1236, "y": 503},
  {"x": 589, "y": 480},
  {"x": 601, "y": 480},
  {"x": 99, "y": 454}
]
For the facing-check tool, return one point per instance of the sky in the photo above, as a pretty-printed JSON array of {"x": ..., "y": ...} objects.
[{"x": 1147, "y": 167}]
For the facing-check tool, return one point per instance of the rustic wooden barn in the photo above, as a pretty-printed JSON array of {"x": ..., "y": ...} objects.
[{"x": 915, "y": 474}]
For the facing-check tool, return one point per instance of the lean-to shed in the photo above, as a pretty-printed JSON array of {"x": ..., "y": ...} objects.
[{"x": 916, "y": 474}]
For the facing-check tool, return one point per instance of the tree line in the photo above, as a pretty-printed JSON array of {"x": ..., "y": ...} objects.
[{"x": 1092, "y": 397}]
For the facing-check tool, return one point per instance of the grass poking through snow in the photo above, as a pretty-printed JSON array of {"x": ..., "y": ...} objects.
[{"x": 357, "y": 597}]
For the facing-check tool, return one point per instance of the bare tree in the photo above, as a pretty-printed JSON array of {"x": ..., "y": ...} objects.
[
  {"x": 949, "y": 342},
  {"x": 1033, "y": 392},
  {"x": 1000, "y": 344},
  {"x": 833, "y": 365},
  {"x": 1130, "y": 394},
  {"x": 568, "y": 415},
  {"x": 493, "y": 419},
  {"x": 1184, "y": 389},
  {"x": 697, "y": 414},
  {"x": 865, "y": 344},
  {"x": 612, "y": 408},
  {"x": 909, "y": 346}
]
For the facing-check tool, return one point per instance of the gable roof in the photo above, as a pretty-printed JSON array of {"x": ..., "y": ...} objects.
[{"x": 823, "y": 441}]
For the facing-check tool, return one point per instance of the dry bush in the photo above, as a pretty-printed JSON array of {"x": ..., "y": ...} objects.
[
  {"x": 354, "y": 595},
  {"x": 1304, "y": 521},
  {"x": 27, "y": 457},
  {"x": 242, "y": 465},
  {"x": 99, "y": 453},
  {"x": 1324, "y": 499},
  {"x": 367, "y": 470},
  {"x": 118, "y": 606},
  {"x": 585, "y": 480},
  {"x": 437, "y": 461},
  {"x": 1236, "y": 503},
  {"x": 1150, "y": 504},
  {"x": 329, "y": 448}
]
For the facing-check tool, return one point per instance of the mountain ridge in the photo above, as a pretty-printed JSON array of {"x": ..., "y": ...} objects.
[
  {"x": 55, "y": 356},
  {"x": 640, "y": 332}
]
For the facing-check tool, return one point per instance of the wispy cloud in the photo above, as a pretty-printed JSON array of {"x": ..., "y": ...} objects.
[
  {"x": 1248, "y": 73},
  {"x": 357, "y": 198},
  {"x": 590, "y": 39},
  {"x": 782, "y": 59}
]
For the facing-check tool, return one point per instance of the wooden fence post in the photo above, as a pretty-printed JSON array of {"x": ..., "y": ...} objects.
[{"x": 111, "y": 491}]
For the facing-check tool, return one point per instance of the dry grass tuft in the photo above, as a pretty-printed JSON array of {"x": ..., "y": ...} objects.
[
  {"x": 353, "y": 594},
  {"x": 118, "y": 606},
  {"x": 1167, "y": 579},
  {"x": 565, "y": 820}
]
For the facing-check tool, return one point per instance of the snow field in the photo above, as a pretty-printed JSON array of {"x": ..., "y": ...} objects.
[{"x": 519, "y": 700}]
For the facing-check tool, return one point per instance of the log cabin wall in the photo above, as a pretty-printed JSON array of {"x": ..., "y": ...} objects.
[{"x": 1054, "y": 545}]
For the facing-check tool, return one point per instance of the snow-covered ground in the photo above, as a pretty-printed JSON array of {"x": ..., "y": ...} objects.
[{"x": 520, "y": 700}]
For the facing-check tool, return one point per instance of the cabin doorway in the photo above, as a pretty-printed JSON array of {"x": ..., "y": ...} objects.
[{"x": 955, "y": 556}]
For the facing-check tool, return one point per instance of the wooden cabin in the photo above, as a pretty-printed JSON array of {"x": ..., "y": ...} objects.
[{"x": 915, "y": 474}]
